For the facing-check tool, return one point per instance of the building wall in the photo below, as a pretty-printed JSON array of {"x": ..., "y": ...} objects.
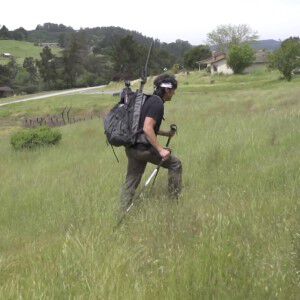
[
  {"x": 255, "y": 67},
  {"x": 221, "y": 67}
]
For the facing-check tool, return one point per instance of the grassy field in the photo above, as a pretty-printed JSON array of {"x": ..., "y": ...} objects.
[
  {"x": 12, "y": 116},
  {"x": 20, "y": 50},
  {"x": 235, "y": 233}
]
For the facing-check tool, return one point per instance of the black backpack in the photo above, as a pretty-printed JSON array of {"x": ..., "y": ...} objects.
[{"x": 121, "y": 125}]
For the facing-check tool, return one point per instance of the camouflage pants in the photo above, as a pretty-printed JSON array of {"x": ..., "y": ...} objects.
[{"x": 137, "y": 161}]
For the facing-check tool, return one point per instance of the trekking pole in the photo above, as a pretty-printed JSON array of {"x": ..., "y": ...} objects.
[
  {"x": 173, "y": 128},
  {"x": 138, "y": 196},
  {"x": 145, "y": 71}
]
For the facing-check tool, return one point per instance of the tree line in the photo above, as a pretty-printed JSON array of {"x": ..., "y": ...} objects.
[
  {"x": 80, "y": 65},
  {"x": 88, "y": 57},
  {"x": 96, "y": 56},
  {"x": 19, "y": 34}
]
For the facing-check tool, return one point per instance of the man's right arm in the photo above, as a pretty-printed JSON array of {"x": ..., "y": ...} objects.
[{"x": 148, "y": 129}]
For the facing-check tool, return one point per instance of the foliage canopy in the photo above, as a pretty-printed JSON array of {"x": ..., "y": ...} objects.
[
  {"x": 32, "y": 138},
  {"x": 287, "y": 58},
  {"x": 195, "y": 54},
  {"x": 225, "y": 36},
  {"x": 240, "y": 57}
]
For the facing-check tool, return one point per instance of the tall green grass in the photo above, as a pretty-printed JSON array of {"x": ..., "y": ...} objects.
[{"x": 233, "y": 235}]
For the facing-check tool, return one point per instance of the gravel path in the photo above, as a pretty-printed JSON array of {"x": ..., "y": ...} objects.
[{"x": 72, "y": 91}]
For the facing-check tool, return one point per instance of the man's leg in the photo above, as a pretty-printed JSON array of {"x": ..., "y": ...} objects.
[
  {"x": 173, "y": 164},
  {"x": 135, "y": 170}
]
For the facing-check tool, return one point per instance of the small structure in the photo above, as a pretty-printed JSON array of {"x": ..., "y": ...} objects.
[
  {"x": 6, "y": 91},
  {"x": 217, "y": 64},
  {"x": 261, "y": 60},
  {"x": 6, "y": 55}
]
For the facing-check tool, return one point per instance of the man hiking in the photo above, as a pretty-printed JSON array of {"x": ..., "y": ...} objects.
[{"x": 147, "y": 148}]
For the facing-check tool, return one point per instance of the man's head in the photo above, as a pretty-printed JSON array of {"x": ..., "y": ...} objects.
[
  {"x": 127, "y": 83},
  {"x": 165, "y": 86}
]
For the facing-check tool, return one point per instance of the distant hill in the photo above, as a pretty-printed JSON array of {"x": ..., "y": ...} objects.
[
  {"x": 50, "y": 32},
  {"x": 102, "y": 38},
  {"x": 270, "y": 45}
]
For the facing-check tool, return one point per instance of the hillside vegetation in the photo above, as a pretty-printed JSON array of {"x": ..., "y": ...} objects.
[
  {"x": 20, "y": 50},
  {"x": 233, "y": 235}
]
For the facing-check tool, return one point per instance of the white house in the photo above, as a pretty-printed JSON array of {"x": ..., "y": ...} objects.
[
  {"x": 8, "y": 55},
  {"x": 217, "y": 64}
]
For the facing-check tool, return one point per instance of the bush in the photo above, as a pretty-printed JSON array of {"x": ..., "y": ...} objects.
[
  {"x": 175, "y": 69},
  {"x": 240, "y": 57},
  {"x": 26, "y": 89},
  {"x": 286, "y": 58},
  {"x": 195, "y": 54},
  {"x": 32, "y": 138}
]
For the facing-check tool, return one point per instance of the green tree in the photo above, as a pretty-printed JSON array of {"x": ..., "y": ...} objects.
[
  {"x": 177, "y": 49},
  {"x": 74, "y": 57},
  {"x": 4, "y": 75},
  {"x": 8, "y": 73},
  {"x": 62, "y": 40},
  {"x": 287, "y": 57},
  {"x": 226, "y": 36},
  {"x": 13, "y": 68},
  {"x": 195, "y": 54},
  {"x": 19, "y": 34},
  {"x": 47, "y": 67},
  {"x": 4, "y": 33},
  {"x": 240, "y": 57},
  {"x": 23, "y": 82},
  {"x": 30, "y": 67},
  {"x": 127, "y": 58},
  {"x": 100, "y": 68},
  {"x": 295, "y": 39},
  {"x": 159, "y": 61}
]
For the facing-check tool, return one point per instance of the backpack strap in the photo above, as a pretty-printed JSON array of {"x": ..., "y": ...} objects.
[
  {"x": 139, "y": 101},
  {"x": 141, "y": 137},
  {"x": 113, "y": 150}
]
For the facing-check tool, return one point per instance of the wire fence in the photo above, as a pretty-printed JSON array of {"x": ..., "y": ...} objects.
[{"x": 64, "y": 118}]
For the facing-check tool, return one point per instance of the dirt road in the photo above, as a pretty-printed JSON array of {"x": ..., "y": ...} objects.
[{"x": 53, "y": 94}]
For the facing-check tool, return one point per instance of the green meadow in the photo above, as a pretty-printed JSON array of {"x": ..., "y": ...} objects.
[
  {"x": 20, "y": 50},
  {"x": 235, "y": 233}
]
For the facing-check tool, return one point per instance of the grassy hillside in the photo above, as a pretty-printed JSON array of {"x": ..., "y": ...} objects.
[
  {"x": 20, "y": 50},
  {"x": 233, "y": 235}
]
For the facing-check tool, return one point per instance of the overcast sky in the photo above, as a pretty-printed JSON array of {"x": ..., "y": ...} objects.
[{"x": 168, "y": 20}]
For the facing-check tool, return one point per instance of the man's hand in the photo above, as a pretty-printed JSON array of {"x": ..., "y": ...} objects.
[{"x": 165, "y": 153}]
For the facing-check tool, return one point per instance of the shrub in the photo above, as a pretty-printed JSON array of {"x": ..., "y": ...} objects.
[
  {"x": 195, "y": 54},
  {"x": 26, "y": 89},
  {"x": 286, "y": 58},
  {"x": 240, "y": 57},
  {"x": 175, "y": 69},
  {"x": 31, "y": 138}
]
